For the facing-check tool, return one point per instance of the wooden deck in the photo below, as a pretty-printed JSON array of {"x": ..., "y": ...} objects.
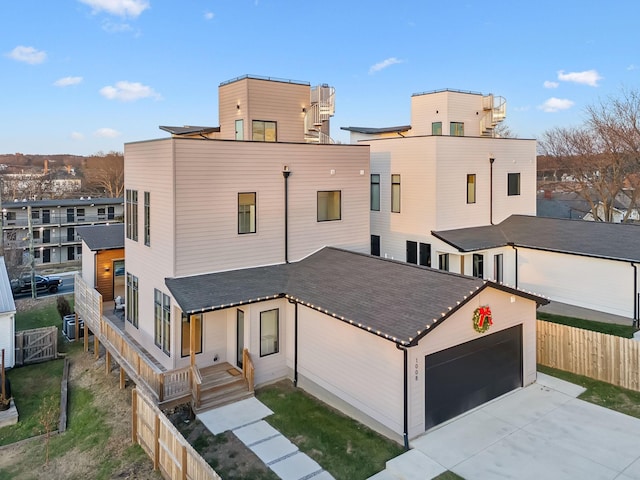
[{"x": 221, "y": 384}]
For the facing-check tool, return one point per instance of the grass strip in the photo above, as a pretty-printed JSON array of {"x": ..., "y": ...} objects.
[{"x": 625, "y": 331}]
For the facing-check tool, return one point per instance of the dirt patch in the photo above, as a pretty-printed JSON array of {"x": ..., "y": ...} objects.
[{"x": 226, "y": 454}]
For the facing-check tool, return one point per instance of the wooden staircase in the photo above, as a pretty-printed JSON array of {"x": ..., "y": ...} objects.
[{"x": 221, "y": 384}]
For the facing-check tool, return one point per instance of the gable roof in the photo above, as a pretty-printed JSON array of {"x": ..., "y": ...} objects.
[
  {"x": 395, "y": 300},
  {"x": 102, "y": 237},
  {"x": 613, "y": 241}
]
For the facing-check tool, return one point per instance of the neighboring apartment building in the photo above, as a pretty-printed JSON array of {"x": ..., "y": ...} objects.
[
  {"x": 54, "y": 224},
  {"x": 446, "y": 170},
  {"x": 215, "y": 204}
]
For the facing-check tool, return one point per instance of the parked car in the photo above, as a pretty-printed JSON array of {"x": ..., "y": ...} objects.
[{"x": 23, "y": 284}]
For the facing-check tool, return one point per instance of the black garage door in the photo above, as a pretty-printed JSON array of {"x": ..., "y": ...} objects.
[{"x": 470, "y": 374}]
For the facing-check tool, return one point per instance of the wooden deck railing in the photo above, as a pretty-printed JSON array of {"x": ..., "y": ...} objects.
[
  {"x": 196, "y": 390},
  {"x": 248, "y": 370},
  {"x": 163, "y": 385}
]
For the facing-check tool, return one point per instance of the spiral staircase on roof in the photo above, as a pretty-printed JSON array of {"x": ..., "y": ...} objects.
[
  {"x": 495, "y": 111},
  {"x": 317, "y": 115}
]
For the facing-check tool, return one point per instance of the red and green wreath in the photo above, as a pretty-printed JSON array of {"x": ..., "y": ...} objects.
[{"x": 482, "y": 319}]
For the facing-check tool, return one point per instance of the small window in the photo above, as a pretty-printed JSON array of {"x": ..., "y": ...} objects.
[
  {"x": 186, "y": 334},
  {"x": 412, "y": 252},
  {"x": 247, "y": 212},
  {"x": 443, "y": 261},
  {"x": 513, "y": 184},
  {"x": 471, "y": 188},
  {"x": 264, "y": 131},
  {"x": 425, "y": 254},
  {"x": 375, "y": 245},
  {"x": 497, "y": 268},
  {"x": 329, "y": 206},
  {"x": 478, "y": 265},
  {"x": 456, "y": 129},
  {"x": 81, "y": 214},
  {"x": 375, "y": 192},
  {"x": 395, "y": 193},
  {"x": 35, "y": 214},
  {"x": 269, "y": 332},
  {"x": 436, "y": 128}
]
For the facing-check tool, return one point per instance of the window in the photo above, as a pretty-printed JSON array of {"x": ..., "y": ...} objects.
[
  {"x": 36, "y": 235},
  {"x": 147, "y": 219},
  {"x": 101, "y": 214},
  {"x": 329, "y": 206},
  {"x": 471, "y": 188},
  {"x": 240, "y": 129},
  {"x": 456, "y": 129},
  {"x": 513, "y": 184},
  {"x": 111, "y": 213},
  {"x": 71, "y": 234},
  {"x": 497, "y": 268},
  {"x": 162, "y": 314},
  {"x": 70, "y": 215},
  {"x": 412, "y": 252},
  {"x": 375, "y": 192},
  {"x": 425, "y": 254},
  {"x": 132, "y": 214},
  {"x": 71, "y": 253},
  {"x": 36, "y": 254},
  {"x": 375, "y": 245},
  {"x": 395, "y": 193},
  {"x": 132, "y": 299},
  {"x": 478, "y": 265},
  {"x": 443, "y": 261},
  {"x": 35, "y": 214},
  {"x": 264, "y": 131},
  {"x": 80, "y": 213},
  {"x": 46, "y": 255},
  {"x": 268, "y": 332},
  {"x": 247, "y": 212},
  {"x": 186, "y": 334},
  {"x": 436, "y": 128}
]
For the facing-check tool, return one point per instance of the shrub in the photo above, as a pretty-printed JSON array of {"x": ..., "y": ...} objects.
[{"x": 62, "y": 304}]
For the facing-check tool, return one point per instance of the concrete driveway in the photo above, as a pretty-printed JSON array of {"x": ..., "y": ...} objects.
[{"x": 539, "y": 432}]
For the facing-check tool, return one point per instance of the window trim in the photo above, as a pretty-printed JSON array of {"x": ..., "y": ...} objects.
[
  {"x": 253, "y": 227},
  {"x": 436, "y": 129},
  {"x": 132, "y": 297},
  {"x": 264, "y": 135},
  {"x": 147, "y": 219},
  {"x": 328, "y": 218},
  {"x": 471, "y": 188},
  {"x": 443, "y": 261},
  {"x": 162, "y": 319},
  {"x": 375, "y": 192},
  {"x": 132, "y": 214},
  {"x": 456, "y": 129},
  {"x": 277, "y": 339},
  {"x": 478, "y": 265},
  {"x": 517, "y": 176},
  {"x": 396, "y": 185}
]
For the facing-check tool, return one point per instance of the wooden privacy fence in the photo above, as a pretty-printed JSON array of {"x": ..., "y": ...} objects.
[
  {"x": 609, "y": 358},
  {"x": 37, "y": 345},
  {"x": 166, "y": 446}
]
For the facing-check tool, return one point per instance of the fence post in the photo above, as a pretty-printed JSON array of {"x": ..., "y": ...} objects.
[
  {"x": 134, "y": 415},
  {"x": 156, "y": 442},
  {"x": 184, "y": 462}
]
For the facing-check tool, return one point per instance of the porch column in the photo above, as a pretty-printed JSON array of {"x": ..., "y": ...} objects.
[{"x": 192, "y": 341}]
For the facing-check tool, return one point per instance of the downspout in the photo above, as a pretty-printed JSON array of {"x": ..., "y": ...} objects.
[
  {"x": 511, "y": 244},
  {"x": 295, "y": 344},
  {"x": 491, "y": 160},
  {"x": 285, "y": 174},
  {"x": 635, "y": 294},
  {"x": 405, "y": 427}
]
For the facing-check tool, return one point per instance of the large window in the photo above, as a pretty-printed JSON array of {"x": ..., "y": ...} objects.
[
  {"x": 412, "y": 252},
  {"x": 269, "y": 330},
  {"x": 395, "y": 193},
  {"x": 436, "y": 128},
  {"x": 132, "y": 299},
  {"x": 247, "y": 213},
  {"x": 471, "y": 188},
  {"x": 132, "y": 214},
  {"x": 375, "y": 192},
  {"x": 186, "y": 334},
  {"x": 513, "y": 184},
  {"x": 264, "y": 131},
  {"x": 456, "y": 129},
  {"x": 329, "y": 206},
  {"x": 497, "y": 268},
  {"x": 478, "y": 265},
  {"x": 162, "y": 315},
  {"x": 147, "y": 218}
]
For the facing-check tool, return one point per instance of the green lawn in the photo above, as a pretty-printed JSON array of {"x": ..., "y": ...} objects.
[
  {"x": 44, "y": 316},
  {"x": 342, "y": 446},
  {"x": 625, "y": 331}
]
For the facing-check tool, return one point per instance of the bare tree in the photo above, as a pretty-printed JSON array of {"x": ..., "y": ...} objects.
[
  {"x": 104, "y": 174},
  {"x": 502, "y": 130},
  {"x": 602, "y": 157}
]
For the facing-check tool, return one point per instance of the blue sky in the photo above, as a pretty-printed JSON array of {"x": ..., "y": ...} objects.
[{"x": 82, "y": 76}]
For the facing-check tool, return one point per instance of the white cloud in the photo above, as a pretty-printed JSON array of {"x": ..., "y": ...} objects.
[
  {"x": 28, "y": 55},
  {"x": 632, "y": 67},
  {"x": 129, "y": 92},
  {"x": 111, "y": 27},
  {"x": 548, "y": 84},
  {"x": 588, "y": 77},
  {"x": 77, "y": 136},
  {"x": 383, "y": 64},
  {"x": 556, "y": 104},
  {"x": 121, "y": 8},
  {"x": 67, "y": 81},
  {"x": 106, "y": 133},
  {"x": 208, "y": 15}
]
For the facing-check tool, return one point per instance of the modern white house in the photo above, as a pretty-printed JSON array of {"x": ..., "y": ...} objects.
[{"x": 7, "y": 317}]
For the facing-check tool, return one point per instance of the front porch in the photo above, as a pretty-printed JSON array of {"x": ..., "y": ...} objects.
[{"x": 204, "y": 388}]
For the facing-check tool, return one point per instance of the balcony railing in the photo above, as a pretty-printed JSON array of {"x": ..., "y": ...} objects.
[{"x": 57, "y": 220}]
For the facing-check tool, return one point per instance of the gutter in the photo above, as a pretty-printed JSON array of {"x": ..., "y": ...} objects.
[
  {"x": 405, "y": 426},
  {"x": 295, "y": 344},
  {"x": 512, "y": 245},
  {"x": 285, "y": 173},
  {"x": 635, "y": 294},
  {"x": 491, "y": 160}
]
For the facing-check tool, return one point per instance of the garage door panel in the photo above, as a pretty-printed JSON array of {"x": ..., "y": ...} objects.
[{"x": 470, "y": 374}]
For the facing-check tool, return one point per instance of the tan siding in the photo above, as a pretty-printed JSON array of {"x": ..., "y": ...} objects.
[
  {"x": 230, "y": 96},
  {"x": 446, "y": 107}
]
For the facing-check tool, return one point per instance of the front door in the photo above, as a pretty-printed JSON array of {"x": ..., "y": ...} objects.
[{"x": 239, "y": 337}]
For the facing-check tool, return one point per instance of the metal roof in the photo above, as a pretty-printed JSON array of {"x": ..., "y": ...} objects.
[
  {"x": 371, "y": 130},
  {"x": 187, "y": 129},
  {"x": 102, "y": 237},
  {"x": 7, "y": 305}
]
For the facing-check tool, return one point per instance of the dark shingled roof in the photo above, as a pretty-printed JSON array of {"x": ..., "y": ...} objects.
[
  {"x": 187, "y": 129},
  {"x": 392, "y": 299},
  {"x": 371, "y": 130},
  {"x": 614, "y": 241},
  {"x": 102, "y": 237}
]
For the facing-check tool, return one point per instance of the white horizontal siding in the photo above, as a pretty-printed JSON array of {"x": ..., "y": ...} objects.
[{"x": 7, "y": 338}]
